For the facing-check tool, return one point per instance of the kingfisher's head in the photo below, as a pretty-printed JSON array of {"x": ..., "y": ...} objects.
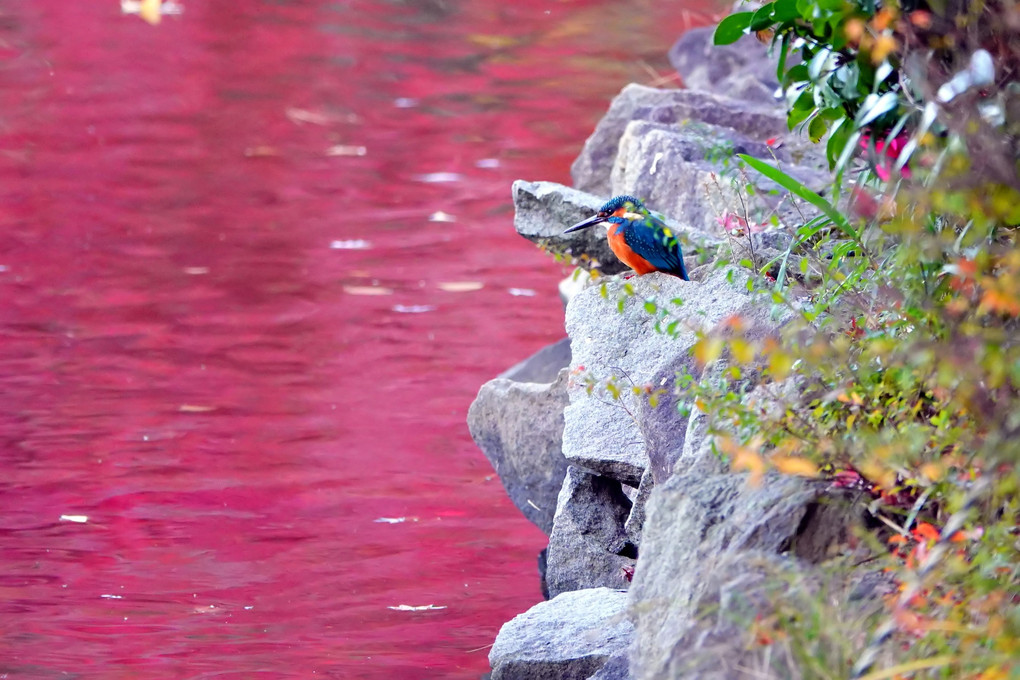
[{"x": 620, "y": 207}]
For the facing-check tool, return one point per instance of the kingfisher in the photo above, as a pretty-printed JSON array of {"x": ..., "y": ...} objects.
[{"x": 639, "y": 238}]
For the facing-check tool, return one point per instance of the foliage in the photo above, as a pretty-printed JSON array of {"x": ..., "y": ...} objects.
[{"x": 899, "y": 375}]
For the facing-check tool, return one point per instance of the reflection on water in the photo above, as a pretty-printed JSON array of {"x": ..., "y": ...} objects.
[{"x": 254, "y": 263}]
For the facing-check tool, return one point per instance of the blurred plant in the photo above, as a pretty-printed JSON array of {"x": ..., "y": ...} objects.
[{"x": 899, "y": 374}]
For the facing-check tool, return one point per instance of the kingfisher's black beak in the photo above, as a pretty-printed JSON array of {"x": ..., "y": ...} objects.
[{"x": 597, "y": 218}]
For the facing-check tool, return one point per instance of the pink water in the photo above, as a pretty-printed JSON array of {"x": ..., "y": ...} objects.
[{"x": 228, "y": 334}]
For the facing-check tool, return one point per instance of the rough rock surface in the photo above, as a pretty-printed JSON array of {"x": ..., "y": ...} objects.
[
  {"x": 742, "y": 70},
  {"x": 588, "y": 546},
  {"x": 569, "y": 637},
  {"x": 543, "y": 366},
  {"x": 686, "y": 170},
  {"x": 591, "y": 171},
  {"x": 694, "y": 521},
  {"x": 544, "y": 210},
  {"x": 519, "y": 428},
  {"x": 619, "y": 438}
]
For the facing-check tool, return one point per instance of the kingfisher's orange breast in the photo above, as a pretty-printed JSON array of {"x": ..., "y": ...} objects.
[{"x": 619, "y": 246}]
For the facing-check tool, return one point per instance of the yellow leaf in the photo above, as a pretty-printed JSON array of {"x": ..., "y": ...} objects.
[
  {"x": 851, "y": 419},
  {"x": 884, "y": 45},
  {"x": 708, "y": 350},
  {"x": 792, "y": 465},
  {"x": 149, "y": 11},
  {"x": 742, "y": 350},
  {"x": 780, "y": 364}
]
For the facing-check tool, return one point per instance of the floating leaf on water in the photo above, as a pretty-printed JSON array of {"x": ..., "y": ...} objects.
[
  {"x": 261, "y": 151},
  {"x": 440, "y": 216},
  {"x": 352, "y": 244},
  {"x": 367, "y": 290},
  {"x": 346, "y": 150},
  {"x": 77, "y": 519},
  {"x": 296, "y": 115},
  {"x": 461, "y": 286},
  {"x": 418, "y": 608},
  {"x": 195, "y": 408},
  {"x": 413, "y": 309},
  {"x": 521, "y": 292}
]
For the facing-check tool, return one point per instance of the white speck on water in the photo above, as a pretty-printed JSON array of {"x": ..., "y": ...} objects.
[
  {"x": 3, "y": 267},
  {"x": 249, "y": 607},
  {"x": 521, "y": 292},
  {"x": 196, "y": 271},
  {"x": 413, "y": 309},
  {"x": 112, "y": 597},
  {"x": 346, "y": 150},
  {"x": 416, "y": 608},
  {"x": 77, "y": 519},
  {"x": 439, "y": 177},
  {"x": 405, "y": 102},
  {"x": 353, "y": 244},
  {"x": 440, "y": 216},
  {"x": 487, "y": 163}
]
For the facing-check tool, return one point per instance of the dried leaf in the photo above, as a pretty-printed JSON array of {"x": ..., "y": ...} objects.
[
  {"x": 367, "y": 290},
  {"x": 461, "y": 286}
]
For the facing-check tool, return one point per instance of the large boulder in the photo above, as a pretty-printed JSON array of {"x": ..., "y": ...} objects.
[
  {"x": 695, "y": 522},
  {"x": 589, "y": 546},
  {"x": 591, "y": 171},
  {"x": 519, "y": 428},
  {"x": 621, "y": 437},
  {"x": 742, "y": 70},
  {"x": 687, "y": 171},
  {"x": 569, "y": 637}
]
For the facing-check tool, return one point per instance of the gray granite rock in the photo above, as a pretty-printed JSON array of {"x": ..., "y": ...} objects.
[
  {"x": 689, "y": 171},
  {"x": 569, "y": 637},
  {"x": 616, "y": 668},
  {"x": 591, "y": 171},
  {"x": 544, "y": 210},
  {"x": 743, "y": 70},
  {"x": 519, "y": 428},
  {"x": 635, "y": 523},
  {"x": 589, "y": 547},
  {"x": 620, "y": 438},
  {"x": 694, "y": 522},
  {"x": 543, "y": 366}
]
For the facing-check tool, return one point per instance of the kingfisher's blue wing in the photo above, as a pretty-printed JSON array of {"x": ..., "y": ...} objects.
[{"x": 657, "y": 243}]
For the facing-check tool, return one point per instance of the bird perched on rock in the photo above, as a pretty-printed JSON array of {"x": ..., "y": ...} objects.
[{"x": 638, "y": 237}]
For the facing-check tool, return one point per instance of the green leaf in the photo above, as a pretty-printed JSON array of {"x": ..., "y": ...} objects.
[
  {"x": 732, "y": 28},
  {"x": 798, "y": 189},
  {"x": 762, "y": 18},
  {"x": 817, "y": 128},
  {"x": 784, "y": 10},
  {"x": 798, "y": 73}
]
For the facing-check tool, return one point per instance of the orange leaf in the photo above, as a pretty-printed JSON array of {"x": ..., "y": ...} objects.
[
  {"x": 925, "y": 532},
  {"x": 793, "y": 465}
]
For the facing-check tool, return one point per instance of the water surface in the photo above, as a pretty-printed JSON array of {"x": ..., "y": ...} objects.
[{"x": 255, "y": 262}]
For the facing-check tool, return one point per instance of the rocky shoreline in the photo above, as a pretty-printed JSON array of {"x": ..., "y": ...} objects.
[{"x": 658, "y": 555}]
